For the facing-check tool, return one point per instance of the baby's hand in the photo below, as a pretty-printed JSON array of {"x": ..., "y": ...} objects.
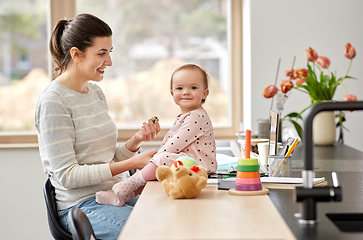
[{"x": 149, "y": 130}]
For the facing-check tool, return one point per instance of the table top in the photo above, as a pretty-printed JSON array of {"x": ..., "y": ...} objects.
[
  {"x": 213, "y": 214},
  {"x": 224, "y": 216}
]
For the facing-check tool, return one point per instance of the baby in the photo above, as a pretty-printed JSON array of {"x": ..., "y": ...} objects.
[{"x": 191, "y": 135}]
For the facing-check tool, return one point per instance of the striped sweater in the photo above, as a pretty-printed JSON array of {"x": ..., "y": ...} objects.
[{"x": 77, "y": 142}]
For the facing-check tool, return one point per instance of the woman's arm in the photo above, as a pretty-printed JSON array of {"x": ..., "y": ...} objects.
[
  {"x": 147, "y": 132},
  {"x": 136, "y": 162}
]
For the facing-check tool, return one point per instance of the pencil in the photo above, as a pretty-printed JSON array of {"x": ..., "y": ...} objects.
[
  {"x": 296, "y": 141},
  {"x": 287, "y": 162}
]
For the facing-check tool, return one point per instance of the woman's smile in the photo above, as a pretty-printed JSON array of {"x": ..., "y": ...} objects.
[{"x": 101, "y": 70}]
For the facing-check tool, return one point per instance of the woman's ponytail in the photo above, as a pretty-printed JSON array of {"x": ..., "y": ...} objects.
[{"x": 55, "y": 46}]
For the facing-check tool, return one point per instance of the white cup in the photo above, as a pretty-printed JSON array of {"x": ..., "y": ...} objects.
[{"x": 263, "y": 152}]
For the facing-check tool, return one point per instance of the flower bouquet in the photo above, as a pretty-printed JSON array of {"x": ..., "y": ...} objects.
[{"x": 316, "y": 80}]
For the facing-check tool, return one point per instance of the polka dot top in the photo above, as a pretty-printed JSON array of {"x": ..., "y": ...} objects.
[{"x": 191, "y": 135}]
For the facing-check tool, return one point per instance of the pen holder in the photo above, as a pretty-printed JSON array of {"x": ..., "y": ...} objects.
[{"x": 279, "y": 166}]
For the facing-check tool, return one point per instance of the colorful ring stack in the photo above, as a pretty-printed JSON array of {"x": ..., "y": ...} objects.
[{"x": 248, "y": 175}]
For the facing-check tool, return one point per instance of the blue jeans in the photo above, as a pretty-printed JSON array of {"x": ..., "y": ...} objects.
[{"x": 107, "y": 221}]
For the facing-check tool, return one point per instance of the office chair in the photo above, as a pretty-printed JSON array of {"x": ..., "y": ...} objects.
[
  {"x": 57, "y": 231},
  {"x": 80, "y": 225}
]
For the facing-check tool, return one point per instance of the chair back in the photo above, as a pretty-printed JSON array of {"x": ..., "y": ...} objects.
[
  {"x": 56, "y": 229},
  {"x": 80, "y": 225}
]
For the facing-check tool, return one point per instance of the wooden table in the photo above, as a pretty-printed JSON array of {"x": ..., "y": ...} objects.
[{"x": 213, "y": 214}]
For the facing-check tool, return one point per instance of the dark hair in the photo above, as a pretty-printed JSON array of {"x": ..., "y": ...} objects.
[
  {"x": 78, "y": 32},
  {"x": 191, "y": 66}
]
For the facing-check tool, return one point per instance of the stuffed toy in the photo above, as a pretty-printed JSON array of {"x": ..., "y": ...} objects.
[{"x": 183, "y": 182}]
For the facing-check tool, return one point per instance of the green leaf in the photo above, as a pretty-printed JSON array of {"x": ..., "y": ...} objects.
[
  {"x": 293, "y": 115},
  {"x": 315, "y": 102},
  {"x": 332, "y": 86},
  {"x": 324, "y": 80},
  {"x": 341, "y": 120},
  {"x": 302, "y": 86},
  {"x": 298, "y": 128},
  {"x": 311, "y": 72},
  {"x": 324, "y": 87}
]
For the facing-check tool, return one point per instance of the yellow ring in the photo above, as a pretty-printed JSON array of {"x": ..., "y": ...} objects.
[{"x": 247, "y": 161}]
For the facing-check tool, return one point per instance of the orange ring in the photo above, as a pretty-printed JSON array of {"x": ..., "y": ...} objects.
[{"x": 248, "y": 174}]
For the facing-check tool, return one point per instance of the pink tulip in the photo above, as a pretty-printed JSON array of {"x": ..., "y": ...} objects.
[
  {"x": 349, "y": 51},
  {"x": 270, "y": 91},
  {"x": 286, "y": 85},
  {"x": 291, "y": 73},
  {"x": 350, "y": 98},
  {"x": 301, "y": 73},
  {"x": 311, "y": 55},
  {"x": 300, "y": 81},
  {"x": 324, "y": 62}
]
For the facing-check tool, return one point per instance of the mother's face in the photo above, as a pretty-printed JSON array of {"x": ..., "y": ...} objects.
[{"x": 96, "y": 58}]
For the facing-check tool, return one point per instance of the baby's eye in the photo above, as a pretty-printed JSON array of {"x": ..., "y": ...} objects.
[
  {"x": 194, "y": 88},
  {"x": 179, "y": 88}
]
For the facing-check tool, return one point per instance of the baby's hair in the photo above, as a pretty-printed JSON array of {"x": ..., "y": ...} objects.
[
  {"x": 78, "y": 32},
  {"x": 192, "y": 66}
]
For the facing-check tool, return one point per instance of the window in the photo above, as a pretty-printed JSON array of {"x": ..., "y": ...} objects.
[
  {"x": 148, "y": 49},
  {"x": 23, "y": 61}
]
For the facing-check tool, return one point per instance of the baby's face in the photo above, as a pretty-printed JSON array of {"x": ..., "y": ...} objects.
[{"x": 188, "y": 89}]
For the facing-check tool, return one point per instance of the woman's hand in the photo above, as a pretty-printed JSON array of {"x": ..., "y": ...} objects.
[
  {"x": 147, "y": 132},
  {"x": 137, "y": 162},
  {"x": 140, "y": 160}
]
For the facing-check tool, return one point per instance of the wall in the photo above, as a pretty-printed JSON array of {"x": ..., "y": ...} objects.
[
  {"x": 284, "y": 29},
  {"x": 22, "y": 203}
]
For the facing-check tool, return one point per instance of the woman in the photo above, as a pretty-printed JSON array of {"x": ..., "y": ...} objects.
[{"x": 77, "y": 138}]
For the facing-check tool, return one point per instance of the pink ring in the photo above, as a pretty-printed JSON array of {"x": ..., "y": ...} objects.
[
  {"x": 250, "y": 187},
  {"x": 248, "y": 180}
]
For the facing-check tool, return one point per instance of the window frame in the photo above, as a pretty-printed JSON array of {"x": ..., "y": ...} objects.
[{"x": 59, "y": 9}]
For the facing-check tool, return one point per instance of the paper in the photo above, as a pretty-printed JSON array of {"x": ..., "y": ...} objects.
[
  {"x": 225, "y": 161},
  {"x": 273, "y": 182},
  {"x": 288, "y": 180}
]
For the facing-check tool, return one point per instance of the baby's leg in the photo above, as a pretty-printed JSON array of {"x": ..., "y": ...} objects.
[
  {"x": 166, "y": 158},
  {"x": 108, "y": 198},
  {"x": 130, "y": 187},
  {"x": 149, "y": 171}
]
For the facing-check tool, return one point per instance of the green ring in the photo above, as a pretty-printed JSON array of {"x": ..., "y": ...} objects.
[
  {"x": 247, "y": 161},
  {"x": 250, "y": 168}
]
